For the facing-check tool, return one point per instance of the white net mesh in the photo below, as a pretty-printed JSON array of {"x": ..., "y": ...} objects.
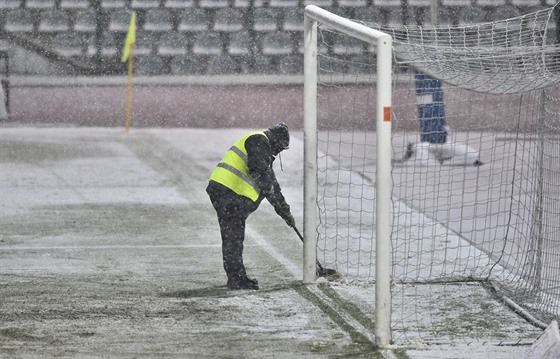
[{"x": 458, "y": 229}]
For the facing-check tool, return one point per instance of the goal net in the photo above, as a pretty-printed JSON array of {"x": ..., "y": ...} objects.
[{"x": 475, "y": 175}]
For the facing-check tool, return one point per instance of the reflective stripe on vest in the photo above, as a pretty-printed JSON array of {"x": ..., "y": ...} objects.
[{"x": 233, "y": 171}]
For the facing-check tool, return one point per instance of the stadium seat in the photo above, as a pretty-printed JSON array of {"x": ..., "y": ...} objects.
[
  {"x": 525, "y": 3},
  {"x": 85, "y": 21},
  {"x": 471, "y": 15},
  {"x": 320, "y": 3},
  {"x": 173, "y": 44},
  {"x": 387, "y": 3},
  {"x": 10, "y": 4},
  {"x": 213, "y": 4},
  {"x": 108, "y": 45},
  {"x": 19, "y": 20},
  {"x": 119, "y": 20},
  {"x": 144, "y": 43},
  {"x": 208, "y": 43},
  {"x": 158, "y": 20},
  {"x": 293, "y": 20},
  {"x": 363, "y": 64},
  {"x": 263, "y": 65},
  {"x": 490, "y": 3},
  {"x": 284, "y": 3},
  {"x": 68, "y": 44},
  {"x": 503, "y": 13},
  {"x": 242, "y": 4},
  {"x": 277, "y": 43},
  {"x": 368, "y": 15},
  {"x": 331, "y": 64},
  {"x": 144, "y": 4},
  {"x": 240, "y": 43},
  {"x": 352, "y": 3},
  {"x": 150, "y": 66},
  {"x": 394, "y": 16},
  {"x": 178, "y": 4},
  {"x": 265, "y": 19},
  {"x": 40, "y": 4},
  {"x": 192, "y": 20},
  {"x": 456, "y": 3},
  {"x": 220, "y": 65},
  {"x": 188, "y": 65},
  {"x": 228, "y": 20},
  {"x": 113, "y": 4},
  {"x": 53, "y": 21},
  {"x": 291, "y": 64},
  {"x": 419, "y": 3},
  {"x": 345, "y": 45},
  {"x": 74, "y": 4}
]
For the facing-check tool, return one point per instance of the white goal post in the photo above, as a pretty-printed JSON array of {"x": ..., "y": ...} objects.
[{"x": 382, "y": 43}]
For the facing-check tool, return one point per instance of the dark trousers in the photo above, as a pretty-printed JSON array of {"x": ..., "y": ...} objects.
[{"x": 232, "y": 210}]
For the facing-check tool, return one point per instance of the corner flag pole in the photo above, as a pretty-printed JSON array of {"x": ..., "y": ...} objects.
[{"x": 128, "y": 55}]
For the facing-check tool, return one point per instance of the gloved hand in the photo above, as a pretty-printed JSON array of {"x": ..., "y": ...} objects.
[{"x": 290, "y": 221}]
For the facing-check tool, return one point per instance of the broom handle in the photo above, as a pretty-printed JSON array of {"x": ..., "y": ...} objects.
[{"x": 301, "y": 237}]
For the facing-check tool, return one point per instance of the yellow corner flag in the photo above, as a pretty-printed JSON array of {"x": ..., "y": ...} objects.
[
  {"x": 128, "y": 55},
  {"x": 130, "y": 37}
]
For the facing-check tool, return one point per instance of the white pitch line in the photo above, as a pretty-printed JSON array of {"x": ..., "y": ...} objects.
[{"x": 8, "y": 249}]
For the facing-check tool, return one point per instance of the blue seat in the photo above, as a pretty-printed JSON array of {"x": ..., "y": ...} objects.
[
  {"x": 68, "y": 44},
  {"x": 265, "y": 19},
  {"x": 19, "y": 20},
  {"x": 173, "y": 44},
  {"x": 188, "y": 65},
  {"x": 53, "y": 21},
  {"x": 40, "y": 4},
  {"x": 192, "y": 20},
  {"x": 277, "y": 43},
  {"x": 228, "y": 20},
  {"x": 293, "y": 20},
  {"x": 178, "y": 4},
  {"x": 150, "y": 66},
  {"x": 85, "y": 21},
  {"x": 240, "y": 44},
  {"x": 158, "y": 20},
  {"x": 207, "y": 43},
  {"x": 9, "y": 4}
]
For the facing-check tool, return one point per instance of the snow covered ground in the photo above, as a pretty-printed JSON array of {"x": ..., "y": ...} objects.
[{"x": 109, "y": 247}]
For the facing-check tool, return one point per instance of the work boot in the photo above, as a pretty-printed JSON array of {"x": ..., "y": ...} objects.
[{"x": 243, "y": 283}]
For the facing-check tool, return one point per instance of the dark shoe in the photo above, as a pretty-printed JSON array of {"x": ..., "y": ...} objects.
[{"x": 243, "y": 283}]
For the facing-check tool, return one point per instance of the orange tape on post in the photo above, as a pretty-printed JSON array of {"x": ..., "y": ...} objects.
[{"x": 387, "y": 113}]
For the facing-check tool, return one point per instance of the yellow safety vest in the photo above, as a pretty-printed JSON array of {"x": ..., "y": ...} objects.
[{"x": 233, "y": 171}]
